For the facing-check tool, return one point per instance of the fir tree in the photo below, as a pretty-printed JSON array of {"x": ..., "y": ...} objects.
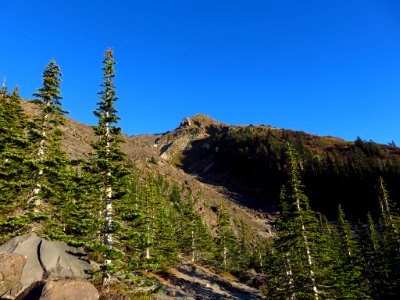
[
  {"x": 15, "y": 179},
  {"x": 46, "y": 131},
  {"x": 390, "y": 231},
  {"x": 351, "y": 281},
  {"x": 244, "y": 246},
  {"x": 226, "y": 242},
  {"x": 109, "y": 158},
  {"x": 195, "y": 240},
  {"x": 297, "y": 240},
  {"x": 374, "y": 258}
]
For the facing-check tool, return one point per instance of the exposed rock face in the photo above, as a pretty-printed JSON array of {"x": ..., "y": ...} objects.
[
  {"x": 186, "y": 122},
  {"x": 11, "y": 266},
  {"x": 46, "y": 259}
]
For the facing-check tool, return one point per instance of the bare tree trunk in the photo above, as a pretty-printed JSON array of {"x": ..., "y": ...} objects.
[
  {"x": 147, "y": 251},
  {"x": 225, "y": 255},
  {"x": 308, "y": 252},
  {"x": 108, "y": 237},
  {"x": 193, "y": 248},
  {"x": 289, "y": 276}
]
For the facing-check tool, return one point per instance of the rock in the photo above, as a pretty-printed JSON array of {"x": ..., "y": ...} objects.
[
  {"x": 186, "y": 122},
  {"x": 65, "y": 289},
  {"x": 69, "y": 289},
  {"x": 46, "y": 259},
  {"x": 62, "y": 261},
  {"x": 11, "y": 267},
  {"x": 26, "y": 245}
]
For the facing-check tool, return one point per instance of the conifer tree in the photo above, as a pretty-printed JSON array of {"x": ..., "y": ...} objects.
[
  {"x": 15, "y": 179},
  {"x": 195, "y": 240},
  {"x": 226, "y": 242},
  {"x": 108, "y": 156},
  {"x": 13, "y": 145},
  {"x": 244, "y": 246},
  {"x": 390, "y": 232},
  {"x": 374, "y": 258},
  {"x": 351, "y": 281},
  {"x": 46, "y": 130},
  {"x": 297, "y": 240}
]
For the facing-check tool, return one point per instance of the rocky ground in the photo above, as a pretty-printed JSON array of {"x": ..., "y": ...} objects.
[
  {"x": 190, "y": 281},
  {"x": 33, "y": 268}
]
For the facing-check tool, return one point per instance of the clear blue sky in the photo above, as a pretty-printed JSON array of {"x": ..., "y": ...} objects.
[{"x": 325, "y": 67}]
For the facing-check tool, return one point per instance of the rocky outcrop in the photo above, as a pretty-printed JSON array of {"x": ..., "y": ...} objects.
[
  {"x": 44, "y": 260},
  {"x": 11, "y": 267}
]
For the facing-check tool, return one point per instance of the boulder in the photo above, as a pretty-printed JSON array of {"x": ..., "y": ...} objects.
[
  {"x": 46, "y": 259},
  {"x": 69, "y": 289},
  {"x": 64, "y": 289},
  {"x": 26, "y": 245},
  {"x": 11, "y": 267},
  {"x": 62, "y": 261}
]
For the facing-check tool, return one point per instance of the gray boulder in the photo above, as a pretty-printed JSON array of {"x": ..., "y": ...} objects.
[
  {"x": 46, "y": 259},
  {"x": 26, "y": 245},
  {"x": 62, "y": 261},
  {"x": 11, "y": 267}
]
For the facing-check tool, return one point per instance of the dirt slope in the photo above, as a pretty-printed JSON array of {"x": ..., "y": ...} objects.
[{"x": 143, "y": 149}]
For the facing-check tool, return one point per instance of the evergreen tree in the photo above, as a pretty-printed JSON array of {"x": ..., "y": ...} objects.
[
  {"x": 13, "y": 148},
  {"x": 244, "y": 246},
  {"x": 46, "y": 132},
  {"x": 374, "y": 259},
  {"x": 195, "y": 240},
  {"x": 350, "y": 281},
  {"x": 390, "y": 231},
  {"x": 297, "y": 240},
  {"x": 15, "y": 179},
  {"x": 108, "y": 160},
  {"x": 226, "y": 242}
]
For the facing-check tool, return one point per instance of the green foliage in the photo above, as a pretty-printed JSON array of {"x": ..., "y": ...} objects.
[
  {"x": 226, "y": 242},
  {"x": 310, "y": 258},
  {"x": 155, "y": 223},
  {"x": 333, "y": 171},
  {"x": 15, "y": 177}
]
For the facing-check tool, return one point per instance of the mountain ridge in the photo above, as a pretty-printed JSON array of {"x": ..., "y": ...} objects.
[{"x": 198, "y": 150}]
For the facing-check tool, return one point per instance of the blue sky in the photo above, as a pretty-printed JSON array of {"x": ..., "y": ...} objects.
[{"x": 324, "y": 67}]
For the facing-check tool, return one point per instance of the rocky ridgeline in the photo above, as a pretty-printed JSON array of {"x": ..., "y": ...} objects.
[
  {"x": 34, "y": 268},
  {"x": 191, "y": 129}
]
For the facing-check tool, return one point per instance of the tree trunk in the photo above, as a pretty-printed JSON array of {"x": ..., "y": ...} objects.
[
  {"x": 193, "y": 253},
  {"x": 308, "y": 252}
]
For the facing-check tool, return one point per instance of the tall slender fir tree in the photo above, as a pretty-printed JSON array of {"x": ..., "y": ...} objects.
[{"x": 109, "y": 157}]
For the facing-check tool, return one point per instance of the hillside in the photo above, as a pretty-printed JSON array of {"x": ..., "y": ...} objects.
[
  {"x": 244, "y": 166},
  {"x": 249, "y": 162},
  {"x": 142, "y": 149},
  {"x": 207, "y": 193}
]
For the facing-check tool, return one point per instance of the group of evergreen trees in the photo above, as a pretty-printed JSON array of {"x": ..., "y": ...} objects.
[
  {"x": 133, "y": 222},
  {"x": 253, "y": 158},
  {"x": 129, "y": 221},
  {"x": 313, "y": 259}
]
